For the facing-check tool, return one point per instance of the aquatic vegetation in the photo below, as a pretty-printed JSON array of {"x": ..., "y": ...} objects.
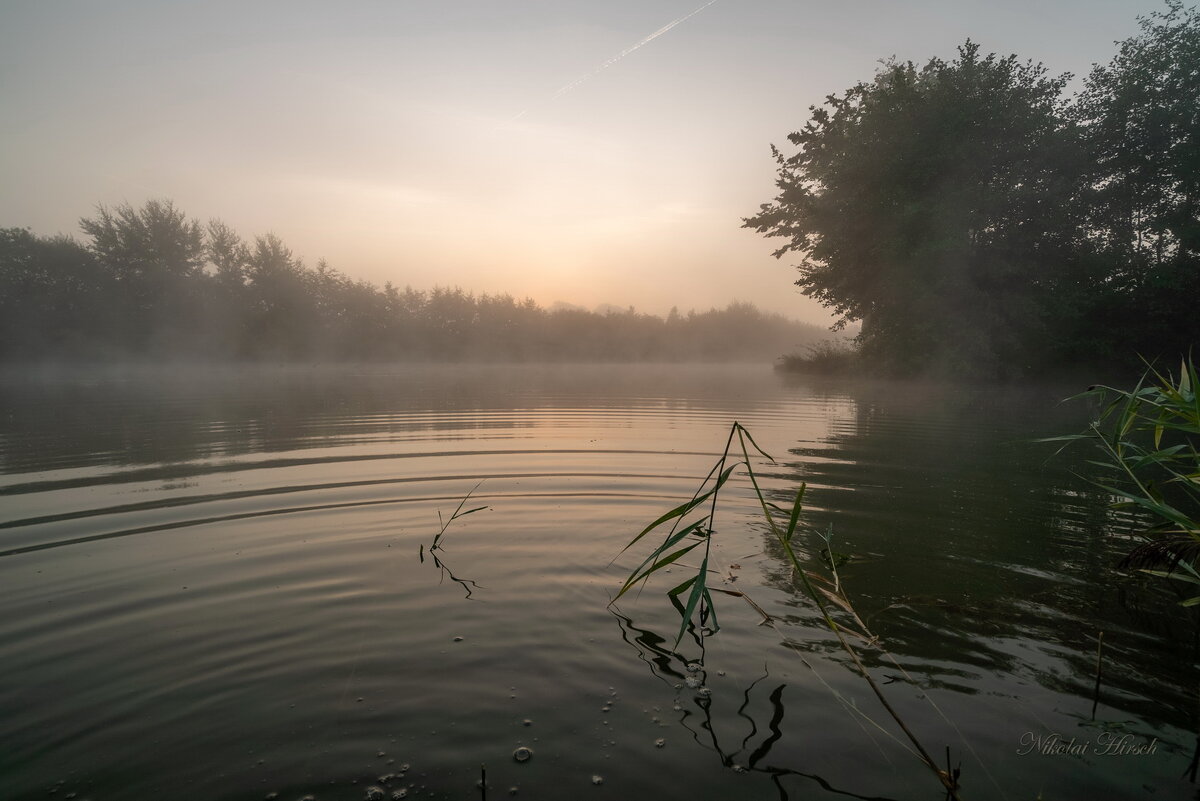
[
  {"x": 435, "y": 546},
  {"x": 1148, "y": 439},
  {"x": 823, "y": 358},
  {"x": 698, "y": 610}
]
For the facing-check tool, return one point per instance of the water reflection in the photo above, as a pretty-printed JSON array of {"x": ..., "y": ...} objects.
[
  {"x": 990, "y": 560},
  {"x": 75, "y": 418},
  {"x": 705, "y": 716},
  {"x": 269, "y": 498}
]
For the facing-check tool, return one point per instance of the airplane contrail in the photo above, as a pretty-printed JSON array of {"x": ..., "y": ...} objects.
[{"x": 641, "y": 43}]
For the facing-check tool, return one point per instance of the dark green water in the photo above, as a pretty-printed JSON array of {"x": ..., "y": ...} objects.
[{"x": 212, "y": 589}]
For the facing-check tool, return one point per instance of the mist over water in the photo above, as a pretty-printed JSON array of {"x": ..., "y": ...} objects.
[{"x": 218, "y": 585}]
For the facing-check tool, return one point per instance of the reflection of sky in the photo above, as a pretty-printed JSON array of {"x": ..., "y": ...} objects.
[{"x": 455, "y": 143}]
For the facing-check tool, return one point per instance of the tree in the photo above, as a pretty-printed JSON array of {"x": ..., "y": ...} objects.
[
  {"x": 155, "y": 254},
  {"x": 55, "y": 299},
  {"x": 156, "y": 240},
  {"x": 227, "y": 253},
  {"x": 935, "y": 206},
  {"x": 282, "y": 308},
  {"x": 1141, "y": 117}
]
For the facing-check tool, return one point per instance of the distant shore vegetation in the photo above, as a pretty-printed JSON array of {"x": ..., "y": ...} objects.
[{"x": 152, "y": 284}]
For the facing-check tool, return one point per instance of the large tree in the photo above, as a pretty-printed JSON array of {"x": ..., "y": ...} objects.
[
  {"x": 154, "y": 242},
  {"x": 1140, "y": 114},
  {"x": 156, "y": 256},
  {"x": 934, "y": 204}
]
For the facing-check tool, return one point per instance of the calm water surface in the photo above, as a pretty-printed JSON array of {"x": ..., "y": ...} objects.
[{"x": 214, "y": 587}]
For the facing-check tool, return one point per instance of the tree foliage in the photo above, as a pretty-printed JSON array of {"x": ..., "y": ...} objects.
[
  {"x": 924, "y": 204},
  {"x": 978, "y": 222},
  {"x": 1141, "y": 114},
  {"x": 152, "y": 283}
]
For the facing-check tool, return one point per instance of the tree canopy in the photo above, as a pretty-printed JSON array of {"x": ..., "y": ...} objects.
[
  {"x": 1141, "y": 115},
  {"x": 152, "y": 283},
  {"x": 978, "y": 222}
]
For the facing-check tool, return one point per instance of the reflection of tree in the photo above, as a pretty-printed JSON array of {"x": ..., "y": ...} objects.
[
  {"x": 968, "y": 536},
  {"x": 674, "y": 669},
  {"x": 167, "y": 417}
]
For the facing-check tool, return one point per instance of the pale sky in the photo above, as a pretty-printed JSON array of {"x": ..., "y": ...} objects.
[{"x": 499, "y": 146}]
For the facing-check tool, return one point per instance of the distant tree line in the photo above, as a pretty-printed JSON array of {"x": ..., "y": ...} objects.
[
  {"x": 150, "y": 283},
  {"x": 978, "y": 222}
]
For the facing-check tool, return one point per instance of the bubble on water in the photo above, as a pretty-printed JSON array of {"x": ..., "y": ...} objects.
[
  {"x": 381, "y": 755},
  {"x": 527, "y": 722},
  {"x": 375, "y": 793},
  {"x": 693, "y": 682},
  {"x": 458, "y": 639},
  {"x": 387, "y": 777},
  {"x": 401, "y": 793},
  {"x": 597, "y": 778},
  {"x": 660, "y": 742},
  {"x": 677, "y": 708},
  {"x": 704, "y": 691},
  {"x": 693, "y": 667},
  {"x": 720, "y": 673},
  {"x": 404, "y": 768},
  {"x": 738, "y": 768},
  {"x": 512, "y": 790},
  {"x": 270, "y": 796},
  {"x": 523, "y": 754}
]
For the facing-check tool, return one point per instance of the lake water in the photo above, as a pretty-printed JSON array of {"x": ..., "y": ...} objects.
[{"x": 217, "y": 584}]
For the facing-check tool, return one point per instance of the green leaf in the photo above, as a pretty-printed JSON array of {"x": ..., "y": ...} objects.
[
  {"x": 698, "y": 590},
  {"x": 679, "y": 511},
  {"x": 712, "y": 611},
  {"x": 1171, "y": 574},
  {"x": 741, "y": 431},
  {"x": 674, "y": 592},
  {"x": 795, "y": 518},
  {"x": 659, "y": 565},
  {"x": 468, "y": 512},
  {"x": 670, "y": 541}
]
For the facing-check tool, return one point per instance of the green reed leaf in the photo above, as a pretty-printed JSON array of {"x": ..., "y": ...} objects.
[
  {"x": 679, "y": 511},
  {"x": 795, "y": 518},
  {"x": 698, "y": 591},
  {"x": 654, "y": 568},
  {"x": 750, "y": 437}
]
